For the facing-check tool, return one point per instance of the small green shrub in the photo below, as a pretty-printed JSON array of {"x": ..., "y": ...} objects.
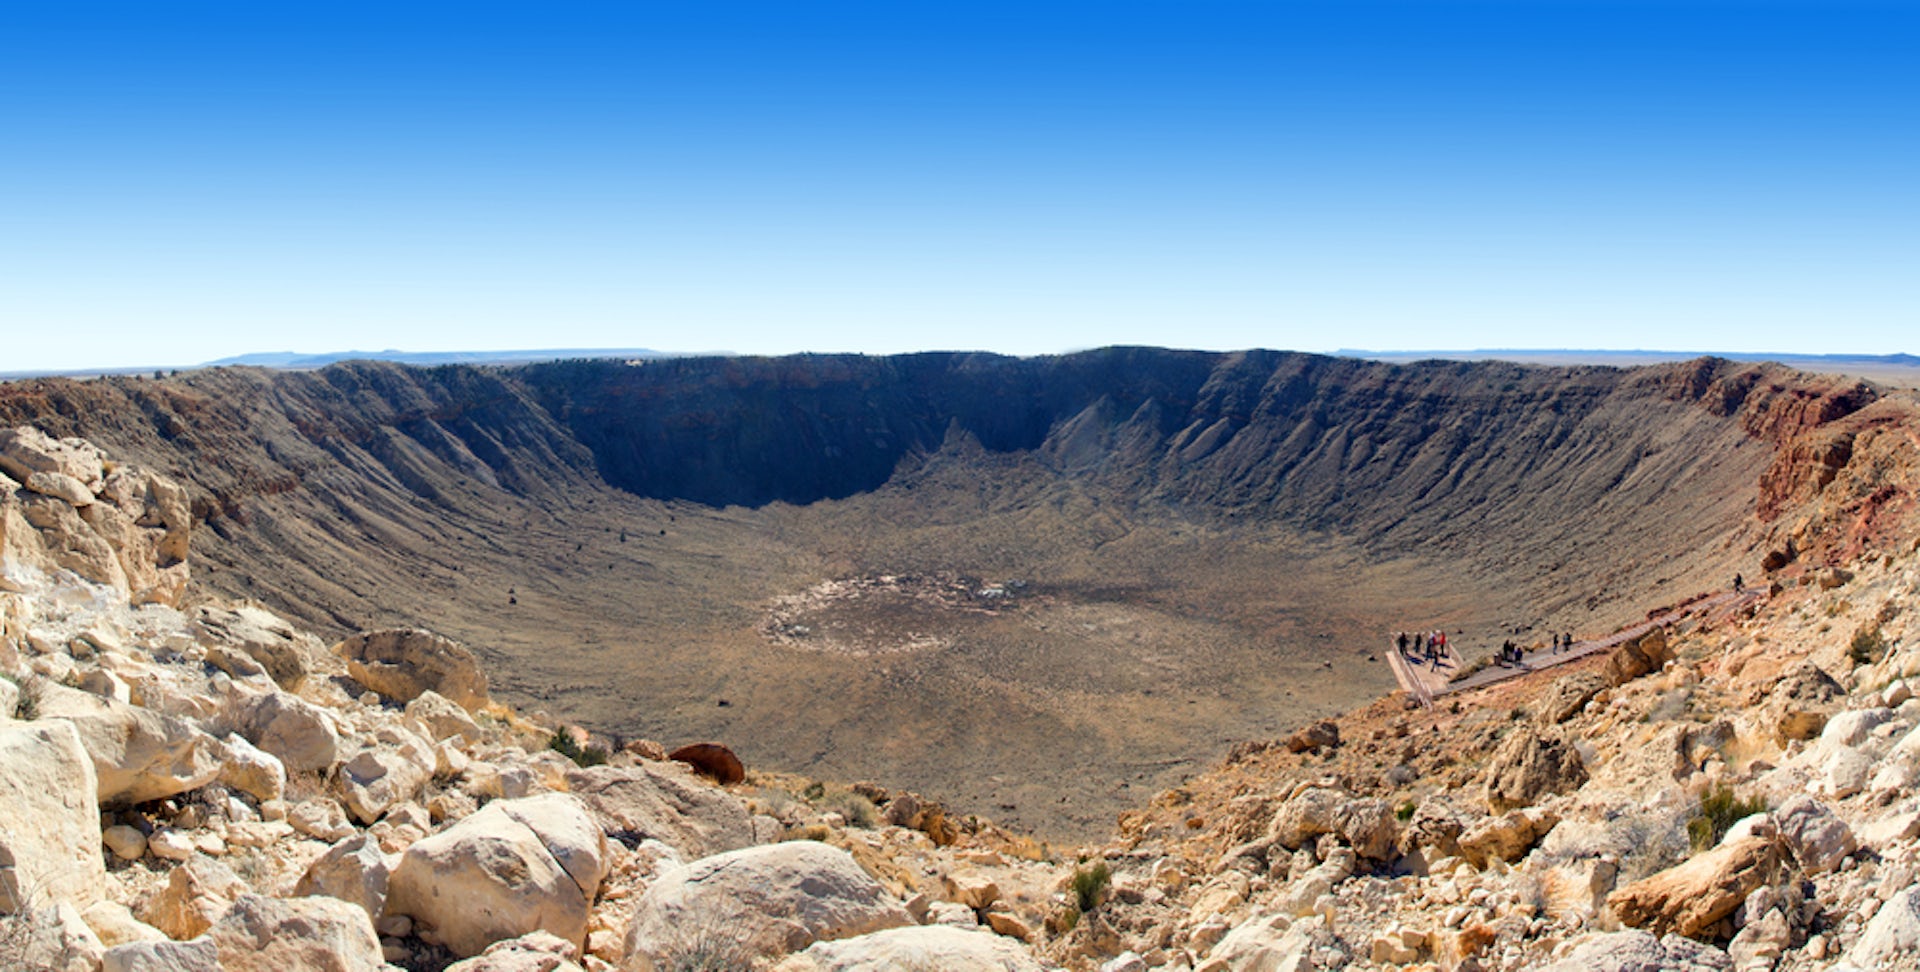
[
  {"x": 1090, "y": 885},
  {"x": 1655, "y": 842},
  {"x": 562, "y": 743},
  {"x": 1404, "y": 812},
  {"x": 710, "y": 946},
  {"x": 1720, "y": 809}
]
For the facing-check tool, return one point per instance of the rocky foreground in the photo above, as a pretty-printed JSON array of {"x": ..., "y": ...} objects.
[{"x": 191, "y": 784}]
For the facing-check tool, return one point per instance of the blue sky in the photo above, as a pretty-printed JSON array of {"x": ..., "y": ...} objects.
[{"x": 186, "y": 181}]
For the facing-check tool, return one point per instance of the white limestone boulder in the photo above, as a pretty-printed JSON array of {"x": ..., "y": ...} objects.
[
  {"x": 1308, "y": 814},
  {"x": 253, "y": 771},
  {"x": 922, "y": 947},
  {"x": 286, "y": 653},
  {"x": 262, "y": 934},
  {"x": 60, "y": 486},
  {"x": 1272, "y": 941},
  {"x": 516, "y": 866},
  {"x": 197, "y": 894},
  {"x": 535, "y": 952},
  {"x": 385, "y": 774},
  {"x": 321, "y": 819},
  {"x": 663, "y": 801},
  {"x": 1853, "y": 727},
  {"x": 1845, "y": 772},
  {"x": 138, "y": 754},
  {"x": 25, "y": 450},
  {"x": 60, "y": 538},
  {"x": 49, "y": 822},
  {"x": 442, "y": 717},
  {"x": 53, "y": 938},
  {"x": 773, "y": 900},
  {"x": 1639, "y": 951},
  {"x": 303, "y": 736},
  {"x": 114, "y": 924},
  {"x": 1891, "y": 939},
  {"x": 568, "y": 832},
  {"x": 197, "y": 955},
  {"x": 401, "y": 663},
  {"x": 352, "y": 870},
  {"x": 1506, "y": 837}
]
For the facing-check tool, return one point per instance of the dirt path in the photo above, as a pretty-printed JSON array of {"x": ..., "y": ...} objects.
[{"x": 1425, "y": 682}]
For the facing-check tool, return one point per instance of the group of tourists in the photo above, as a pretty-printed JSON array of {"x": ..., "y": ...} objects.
[
  {"x": 1419, "y": 646},
  {"x": 1431, "y": 647},
  {"x": 1510, "y": 652}
]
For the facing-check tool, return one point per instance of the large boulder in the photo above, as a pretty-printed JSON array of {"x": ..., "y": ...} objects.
[
  {"x": 1568, "y": 695},
  {"x": 401, "y": 663},
  {"x": 1324, "y": 734},
  {"x": 1271, "y": 943},
  {"x": 253, "y": 771},
  {"x": 925, "y": 947},
  {"x": 138, "y": 754},
  {"x": 115, "y": 924},
  {"x": 386, "y": 774},
  {"x": 1638, "y": 951},
  {"x": 197, "y": 955},
  {"x": 535, "y": 952},
  {"x": 442, "y": 717},
  {"x": 285, "y": 652},
  {"x": 352, "y": 870},
  {"x": 1892, "y": 939},
  {"x": 1817, "y": 838},
  {"x": 1530, "y": 764},
  {"x": 1641, "y": 656},
  {"x": 197, "y": 894},
  {"x": 568, "y": 832},
  {"x": 127, "y": 530},
  {"x": 663, "y": 802},
  {"x": 1367, "y": 825},
  {"x": 49, "y": 823},
  {"x": 1801, "y": 701},
  {"x": 515, "y": 867},
  {"x": 1689, "y": 898},
  {"x": 1854, "y": 726},
  {"x": 712, "y": 760},
  {"x": 297, "y": 732},
  {"x": 1311, "y": 812},
  {"x": 60, "y": 537},
  {"x": 261, "y": 934},
  {"x": 26, "y": 450},
  {"x": 60, "y": 486},
  {"x": 1506, "y": 837},
  {"x": 770, "y": 900},
  {"x": 53, "y": 938}
]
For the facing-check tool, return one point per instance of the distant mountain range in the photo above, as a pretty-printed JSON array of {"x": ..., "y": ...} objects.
[
  {"x": 295, "y": 361},
  {"x": 298, "y": 361},
  {"x": 1901, "y": 369},
  {"x": 1627, "y": 359}
]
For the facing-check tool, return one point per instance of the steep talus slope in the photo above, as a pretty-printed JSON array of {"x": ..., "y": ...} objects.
[
  {"x": 1212, "y": 543},
  {"x": 307, "y": 479}
]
